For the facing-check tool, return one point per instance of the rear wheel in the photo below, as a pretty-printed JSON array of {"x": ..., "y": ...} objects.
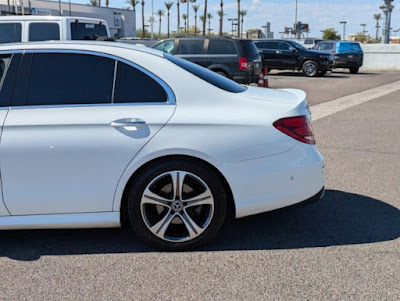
[
  {"x": 310, "y": 68},
  {"x": 177, "y": 204},
  {"x": 354, "y": 70}
]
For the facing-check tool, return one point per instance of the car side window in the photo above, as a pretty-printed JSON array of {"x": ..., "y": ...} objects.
[
  {"x": 44, "y": 32},
  {"x": 132, "y": 85},
  {"x": 69, "y": 79},
  {"x": 166, "y": 46},
  {"x": 284, "y": 46},
  {"x": 269, "y": 45},
  {"x": 190, "y": 46},
  {"x": 325, "y": 46},
  {"x": 10, "y": 32},
  {"x": 4, "y": 61},
  {"x": 221, "y": 47}
]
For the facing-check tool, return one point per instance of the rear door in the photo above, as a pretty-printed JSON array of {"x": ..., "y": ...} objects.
[
  {"x": 269, "y": 49},
  {"x": 76, "y": 121},
  {"x": 222, "y": 54},
  {"x": 192, "y": 50},
  {"x": 9, "y": 64}
]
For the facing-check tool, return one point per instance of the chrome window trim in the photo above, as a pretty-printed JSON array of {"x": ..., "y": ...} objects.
[{"x": 171, "y": 100}]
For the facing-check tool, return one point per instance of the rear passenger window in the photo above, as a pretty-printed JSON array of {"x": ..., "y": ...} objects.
[
  {"x": 10, "y": 33},
  {"x": 132, "y": 85},
  {"x": 268, "y": 45},
  {"x": 67, "y": 79},
  {"x": 44, "y": 31},
  {"x": 221, "y": 47},
  {"x": 190, "y": 46}
]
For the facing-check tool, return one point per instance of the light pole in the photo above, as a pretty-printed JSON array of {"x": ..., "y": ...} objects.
[
  {"x": 344, "y": 29},
  {"x": 363, "y": 26},
  {"x": 152, "y": 19},
  {"x": 232, "y": 20},
  {"x": 387, "y": 9}
]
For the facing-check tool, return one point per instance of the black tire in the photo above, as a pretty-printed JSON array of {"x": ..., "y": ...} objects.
[
  {"x": 322, "y": 73},
  {"x": 310, "y": 68},
  {"x": 354, "y": 70},
  {"x": 206, "y": 174}
]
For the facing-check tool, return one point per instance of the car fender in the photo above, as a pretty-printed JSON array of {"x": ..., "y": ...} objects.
[{"x": 143, "y": 157}]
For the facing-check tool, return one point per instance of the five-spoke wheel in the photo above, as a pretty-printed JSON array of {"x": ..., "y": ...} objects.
[{"x": 175, "y": 206}]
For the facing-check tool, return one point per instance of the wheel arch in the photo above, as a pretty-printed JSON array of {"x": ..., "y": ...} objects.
[
  {"x": 122, "y": 205},
  {"x": 220, "y": 67}
]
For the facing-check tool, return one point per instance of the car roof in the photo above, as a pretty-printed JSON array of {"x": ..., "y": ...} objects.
[
  {"x": 78, "y": 45},
  {"x": 337, "y": 41},
  {"x": 50, "y": 18},
  {"x": 207, "y": 37}
]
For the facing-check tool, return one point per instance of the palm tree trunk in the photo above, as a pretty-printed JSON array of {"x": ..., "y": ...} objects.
[
  {"x": 205, "y": 17},
  {"x": 143, "y": 27},
  {"x": 159, "y": 29},
  {"x": 195, "y": 24},
  {"x": 377, "y": 29},
  {"x": 222, "y": 18},
  {"x": 179, "y": 19},
  {"x": 241, "y": 33},
  {"x": 168, "y": 25},
  {"x": 238, "y": 13}
]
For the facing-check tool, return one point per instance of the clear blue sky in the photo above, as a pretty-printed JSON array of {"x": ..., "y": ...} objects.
[{"x": 319, "y": 14}]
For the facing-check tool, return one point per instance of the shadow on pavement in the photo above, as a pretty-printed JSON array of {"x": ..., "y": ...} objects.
[
  {"x": 300, "y": 74},
  {"x": 339, "y": 219}
]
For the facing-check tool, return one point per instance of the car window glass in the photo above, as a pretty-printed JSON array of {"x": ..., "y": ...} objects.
[
  {"x": 65, "y": 78},
  {"x": 207, "y": 75},
  {"x": 190, "y": 46},
  {"x": 44, "y": 31},
  {"x": 325, "y": 46},
  {"x": 221, "y": 47},
  {"x": 87, "y": 31},
  {"x": 167, "y": 46},
  {"x": 10, "y": 32},
  {"x": 269, "y": 45},
  {"x": 132, "y": 85},
  {"x": 283, "y": 46}
]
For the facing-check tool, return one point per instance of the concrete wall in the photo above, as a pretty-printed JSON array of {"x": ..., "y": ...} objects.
[
  {"x": 125, "y": 28},
  {"x": 381, "y": 57}
]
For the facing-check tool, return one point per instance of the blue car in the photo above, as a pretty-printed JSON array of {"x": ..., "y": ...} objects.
[{"x": 348, "y": 55}]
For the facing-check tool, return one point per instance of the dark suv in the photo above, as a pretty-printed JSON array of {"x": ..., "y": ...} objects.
[
  {"x": 287, "y": 54},
  {"x": 348, "y": 55},
  {"x": 235, "y": 58}
]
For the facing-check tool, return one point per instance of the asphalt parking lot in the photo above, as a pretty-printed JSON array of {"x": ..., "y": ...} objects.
[{"x": 345, "y": 247}]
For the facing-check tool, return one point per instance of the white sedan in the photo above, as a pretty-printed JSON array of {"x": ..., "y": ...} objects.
[{"x": 96, "y": 134}]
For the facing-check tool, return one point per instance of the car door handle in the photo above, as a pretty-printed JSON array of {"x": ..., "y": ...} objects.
[
  {"x": 278, "y": 51},
  {"x": 129, "y": 122}
]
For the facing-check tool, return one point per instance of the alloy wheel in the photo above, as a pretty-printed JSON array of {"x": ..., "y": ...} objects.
[{"x": 177, "y": 206}]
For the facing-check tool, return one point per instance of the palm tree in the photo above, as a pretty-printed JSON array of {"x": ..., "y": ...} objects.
[
  {"x": 179, "y": 19},
  {"x": 168, "y": 6},
  {"x": 195, "y": 8},
  {"x": 132, "y": 3},
  {"x": 93, "y": 3},
  {"x": 204, "y": 17},
  {"x": 238, "y": 17},
  {"x": 184, "y": 17},
  {"x": 143, "y": 25},
  {"x": 377, "y": 17},
  {"x": 160, "y": 14},
  {"x": 209, "y": 17},
  {"x": 221, "y": 17},
  {"x": 243, "y": 13},
  {"x": 107, "y": 3},
  {"x": 220, "y": 13}
]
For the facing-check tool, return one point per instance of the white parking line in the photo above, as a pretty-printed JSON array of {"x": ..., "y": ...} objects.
[{"x": 331, "y": 107}]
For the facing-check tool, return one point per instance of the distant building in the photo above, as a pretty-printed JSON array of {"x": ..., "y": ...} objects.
[
  {"x": 255, "y": 33},
  {"x": 122, "y": 22}
]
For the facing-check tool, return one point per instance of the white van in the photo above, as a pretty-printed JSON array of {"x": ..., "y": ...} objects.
[{"x": 44, "y": 28}]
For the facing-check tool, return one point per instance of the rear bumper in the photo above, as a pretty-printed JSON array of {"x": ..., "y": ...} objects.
[
  {"x": 348, "y": 64},
  {"x": 247, "y": 77},
  {"x": 275, "y": 182}
]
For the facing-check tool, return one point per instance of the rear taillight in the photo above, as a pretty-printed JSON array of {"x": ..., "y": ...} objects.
[
  {"x": 298, "y": 127},
  {"x": 243, "y": 63}
]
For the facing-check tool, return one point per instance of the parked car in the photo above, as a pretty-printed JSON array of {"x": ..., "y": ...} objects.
[
  {"x": 237, "y": 59},
  {"x": 15, "y": 29},
  {"x": 310, "y": 42},
  {"x": 98, "y": 134},
  {"x": 290, "y": 55},
  {"x": 348, "y": 55}
]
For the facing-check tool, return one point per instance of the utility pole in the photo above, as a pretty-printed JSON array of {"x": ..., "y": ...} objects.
[
  {"x": 152, "y": 19},
  {"x": 363, "y": 26},
  {"x": 387, "y": 9},
  {"x": 233, "y": 20},
  {"x": 344, "y": 29}
]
